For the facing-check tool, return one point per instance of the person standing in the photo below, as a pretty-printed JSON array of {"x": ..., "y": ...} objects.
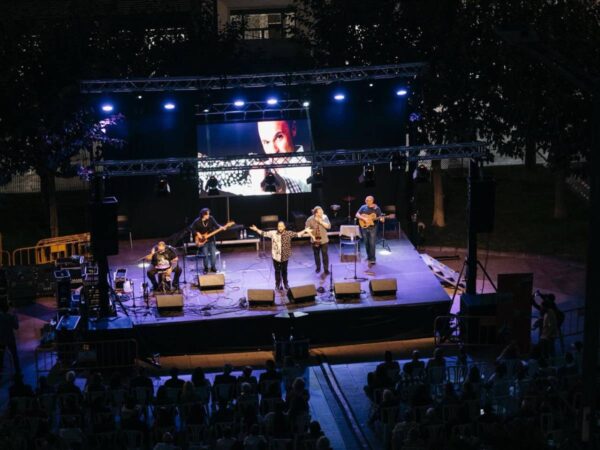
[
  {"x": 8, "y": 324},
  {"x": 203, "y": 225},
  {"x": 319, "y": 224},
  {"x": 281, "y": 250},
  {"x": 369, "y": 214},
  {"x": 549, "y": 331}
]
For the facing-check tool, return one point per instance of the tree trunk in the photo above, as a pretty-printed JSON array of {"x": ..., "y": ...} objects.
[
  {"x": 48, "y": 189},
  {"x": 560, "y": 194},
  {"x": 530, "y": 154},
  {"x": 439, "y": 217}
]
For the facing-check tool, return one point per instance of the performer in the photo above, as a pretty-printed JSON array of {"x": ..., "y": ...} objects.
[
  {"x": 281, "y": 250},
  {"x": 203, "y": 225},
  {"x": 319, "y": 224},
  {"x": 368, "y": 215},
  {"x": 164, "y": 259}
]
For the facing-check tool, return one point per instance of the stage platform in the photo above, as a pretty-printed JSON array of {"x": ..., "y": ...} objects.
[{"x": 211, "y": 321}]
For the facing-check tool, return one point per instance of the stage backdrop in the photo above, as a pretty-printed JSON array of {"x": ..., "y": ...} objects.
[{"x": 247, "y": 138}]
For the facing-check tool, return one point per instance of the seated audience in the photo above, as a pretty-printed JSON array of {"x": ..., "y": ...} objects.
[
  {"x": 199, "y": 378},
  {"x": 436, "y": 367},
  {"x": 68, "y": 386},
  {"x": 174, "y": 381},
  {"x": 254, "y": 440},
  {"x": 227, "y": 441},
  {"x": 167, "y": 443},
  {"x": 415, "y": 367},
  {"x": 19, "y": 388},
  {"x": 141, "y": 380}
]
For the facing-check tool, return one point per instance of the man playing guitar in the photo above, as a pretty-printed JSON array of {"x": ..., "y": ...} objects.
[
  {"x": 368, "y": 215},
  {"x": 206, "y": 224},
  {"x": 319, "y": 224}
]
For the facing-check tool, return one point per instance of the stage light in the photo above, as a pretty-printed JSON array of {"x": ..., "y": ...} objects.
[
  {"x": 206, "y": 110},
  {"x": 421, "y": 174},
  {"x": 107, "y": 107},
  {"x": 368, "y": 176},
  {"x": 370, "y": 84},
  {"x": 272, "y": 101},
  {"x": 169, "y": 106},
  {"x": 398, "y": 162},
  {"x": 306, "y": 104},
  {"x": 269, "y": 184},
  {"x": 401, "y": 92},
  {"x": 212, "y": 185},
  {"x": 139, "y": 97},
  {"x": 162, "y": 185},
  {"x": 339, "y": 97},
  {"x": 239, "y": 103},
  {"x": 317, "y": 178},
  {"x": 414, "y": 117}
]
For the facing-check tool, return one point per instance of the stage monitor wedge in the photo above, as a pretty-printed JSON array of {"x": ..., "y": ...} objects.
[
  {"x": 302, "y": 294},
  {"x": 215, "y": 281},
  {"x": 383, "y": 287},
  {"x": 347, "y": 290},
  {"x": 169, "y": 301},
  {"x": 261, "y": 297}
]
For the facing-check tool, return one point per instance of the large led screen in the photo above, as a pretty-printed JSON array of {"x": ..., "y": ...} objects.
[{"x": 258, "y": 138}]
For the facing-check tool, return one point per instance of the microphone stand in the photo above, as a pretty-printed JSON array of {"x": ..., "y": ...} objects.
[{"x": 356, "y": 256}]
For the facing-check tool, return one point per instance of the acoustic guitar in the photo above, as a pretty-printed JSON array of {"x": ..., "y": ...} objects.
[
  {"x": 371, "y": 218},
  {"x": 201, "y": 238}
]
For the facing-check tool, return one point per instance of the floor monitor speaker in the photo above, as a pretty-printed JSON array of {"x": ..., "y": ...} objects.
[
  {"x": 211, "y": 282},
  {"x": 386, "y": 286},
  {"x": 349, "y": 289},
  {"x": 302, "y": 294},
  {"x": 261, "y": 297},
  {"x": 169, "y": 301}
]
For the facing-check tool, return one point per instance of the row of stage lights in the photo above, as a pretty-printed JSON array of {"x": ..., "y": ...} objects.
[{"x": 338, "y": 96}]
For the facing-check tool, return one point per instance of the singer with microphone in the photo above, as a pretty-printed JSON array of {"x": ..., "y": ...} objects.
[{"x": 320, "y": 224}]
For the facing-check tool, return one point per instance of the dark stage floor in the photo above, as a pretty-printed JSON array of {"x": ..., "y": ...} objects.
[{"x": 207, "y": 316}]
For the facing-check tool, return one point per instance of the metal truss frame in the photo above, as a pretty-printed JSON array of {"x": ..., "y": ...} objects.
[
  {"x": 275, "y": 79},
  {"x": 229, "y": 112},
  {"x": 333, "y": 158}
]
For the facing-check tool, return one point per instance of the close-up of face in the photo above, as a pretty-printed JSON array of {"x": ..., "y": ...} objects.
[
  {"x": 369, "y": 200},
  {"x": 206, "y": 214},
  {"x": 276, "y": 136},
  {"x": 319, "y": 212},
  {"x": 161, "y": 246},
  {"x": 280, "y": 227}
]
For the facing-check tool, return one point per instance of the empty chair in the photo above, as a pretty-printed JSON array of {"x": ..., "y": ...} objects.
[
  {"x": 391, "y": 224},
  {"x": 349, "y": 235}
]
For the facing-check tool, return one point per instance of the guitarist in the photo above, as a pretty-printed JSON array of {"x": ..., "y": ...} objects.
[
  {"x": 203, "y": 225},
  {"x": 320, "y": 225},
  {"x": 368, "y": 214}
]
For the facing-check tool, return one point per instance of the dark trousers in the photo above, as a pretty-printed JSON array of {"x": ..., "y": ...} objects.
[
  {"x": 370, "y": 236},
  {"x": 321, "y": 251},
  {"x": 11, "y": 345},
  {"x": 280, "y": 273},
  {"x": 152, "y": 276},
  {"x": 209, "y": 250}
]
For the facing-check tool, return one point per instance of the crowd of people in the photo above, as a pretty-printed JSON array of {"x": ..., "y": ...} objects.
[
  {"x": 247, "y": 411},
  {"x": 514, "y": 402}
]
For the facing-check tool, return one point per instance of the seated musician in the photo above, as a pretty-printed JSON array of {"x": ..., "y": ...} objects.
[
  {"x": 368, "y": 214},
  {"x": 164, "y": 262},
  {"x": 202, "y": 226}
]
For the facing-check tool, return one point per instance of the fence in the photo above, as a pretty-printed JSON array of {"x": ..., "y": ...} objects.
[
  {"x": 51, "y": 249},
  {"x": 91, "y": 355}
]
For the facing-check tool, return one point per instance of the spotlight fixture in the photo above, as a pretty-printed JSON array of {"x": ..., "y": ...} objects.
[
  {"x": 269, "y": 184},
  {"x": 368, "y": 176},
  {"x": 169, "y": 106},
  {"x": 272, "y": 101},
  {"x": 398, "y": 162},
  {"x": 306, "y": 103},
  {"x": 239, "y": 103},
  {"x": 339, "y": 97},
  {"x": 162, "y": 186},
  {"x": 212, "y": 185},
  {"x": 401, "y": 92},
  {"x": 317, "y": 178},
  {"x": 206, "y": 110},
  {"x": 139, "y": 97},
  {"x": 371, "y": 85},
  {"x": 107, "y": 107},
  {"x": 421, "y": 174}
]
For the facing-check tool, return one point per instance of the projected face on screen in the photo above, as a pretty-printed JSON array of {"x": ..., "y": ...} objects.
[{"x": 246, "y": 138}]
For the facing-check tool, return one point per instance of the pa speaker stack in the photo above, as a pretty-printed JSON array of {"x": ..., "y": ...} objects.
[
  {"x": 383, "y": 287},
  {"x": 261, "y": 297},
  {"x": 211, "y": 282},
  {"x": 347, "y": 290},
  {"x": 302, "y": 294}
]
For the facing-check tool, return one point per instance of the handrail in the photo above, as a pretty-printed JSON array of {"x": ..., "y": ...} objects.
[{"x": 51, "y": 250}]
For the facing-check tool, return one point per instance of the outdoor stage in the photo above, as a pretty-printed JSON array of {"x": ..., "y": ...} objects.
[{"x": 216, "y": 320}]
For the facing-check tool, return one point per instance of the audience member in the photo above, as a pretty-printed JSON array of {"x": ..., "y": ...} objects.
[
  {"x": 323, "y": 444},
  {"x": 8, "y": 324},
  {"x": 270, "y": 373},
  {"x": 227, "y": 441},
  {"x": 19, "y": 388},
  {"x": 69, "y": 386},
  {"x": 225, "y": 377},
  {"x": 276, "y": 422},
  {"x": 188, "y": 393},
  {"x": 377, "y": 380},
  {"x": 174, "y": 381},
  {"x": 247, "y": 377},
  {"x": 297, "y": 399},
  {"x": 255, "y": 440},
  {"x": 199, "y": 378},
  {"x": 44, "y": 387},
  {"x": 167, "y": 443},
  {"x": 436, "y": 367},
  {"x": 95, "y": 383},
  {"x": 388, "y": 400},
  {"x": 414, "y": 368},
  {"x": 141, "y": 380}
]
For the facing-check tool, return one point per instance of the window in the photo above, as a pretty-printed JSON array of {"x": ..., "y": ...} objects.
[{"x": 271, "y": 25}]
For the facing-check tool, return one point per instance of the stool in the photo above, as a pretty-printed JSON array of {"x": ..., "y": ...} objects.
[{"x": 349, "y": 235}]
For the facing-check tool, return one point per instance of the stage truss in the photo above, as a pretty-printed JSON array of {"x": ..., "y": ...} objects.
[
  {"x": 334, "y": 158},
  {"x": 276, "y": 79}
]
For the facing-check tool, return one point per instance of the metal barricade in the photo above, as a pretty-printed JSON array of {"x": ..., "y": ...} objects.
[
  {"x": 51, "y": 249},
  {"x": 87, "y": 355},
  {"x": 5, "y": 259},
  {"x": 455, "y": 330}
]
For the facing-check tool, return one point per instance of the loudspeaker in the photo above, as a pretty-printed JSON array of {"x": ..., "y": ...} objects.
[
  {"x": 261, "y": 297},
  {"x": 483, "y": 328},
  {"x": 347, "y": 289},
  {"x": 301, "y": 294},
  {"x": 169, "y": 301},
  {"x": 516, "y": 315},
  {"x": 104, "y": 235},
  {"x": 482, "y": 196},
  {"x": 386, "y": 286},
  {"x": 211, "y": 282}
]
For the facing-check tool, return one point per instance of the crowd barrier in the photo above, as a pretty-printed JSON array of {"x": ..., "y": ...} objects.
[{"x": 51, "y": 249}]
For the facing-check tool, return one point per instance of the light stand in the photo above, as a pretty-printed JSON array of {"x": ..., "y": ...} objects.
[{"x": 382, "y": 241}]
